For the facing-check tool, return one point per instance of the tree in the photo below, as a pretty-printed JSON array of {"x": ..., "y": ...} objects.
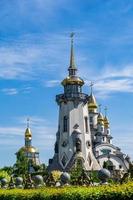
[
  {"x": 8, "y": 169},
  {"x": 21, "y": 166},
  {"x": 76, "y": 172}
]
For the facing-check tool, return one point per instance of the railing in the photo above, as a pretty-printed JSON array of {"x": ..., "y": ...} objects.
[{"x": 69, "y": 96}]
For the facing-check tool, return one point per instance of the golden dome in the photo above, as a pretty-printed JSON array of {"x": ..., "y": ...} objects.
[
  {"x": 100, "y": 119},
  {"x": 72, "y": 80},
  {"x": 30, "y": 149},
  {"x": 28, "y": 133},
  {"x": 92, "y": 104},
  {"x": 106, "y": 122}
]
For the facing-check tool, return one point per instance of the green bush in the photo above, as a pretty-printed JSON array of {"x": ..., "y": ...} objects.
[
  {"x": 4, "y": 174},
  {"x": 109, "y": 192}
]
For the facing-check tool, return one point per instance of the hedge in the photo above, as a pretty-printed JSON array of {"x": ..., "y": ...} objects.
[{"x": 109, "y": 192}]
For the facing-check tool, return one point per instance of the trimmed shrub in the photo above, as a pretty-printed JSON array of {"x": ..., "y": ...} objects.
[{"x": 106, "y": 192}]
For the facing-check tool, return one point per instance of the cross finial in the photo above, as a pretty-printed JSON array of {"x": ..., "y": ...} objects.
[
  {"x": 91, "y": 86},
  {"x": 28, "y": 122},
  {"x": 72, "y": 34},
  {"x": 105, "y": 109},
  {"x": 99, "y": 108}
]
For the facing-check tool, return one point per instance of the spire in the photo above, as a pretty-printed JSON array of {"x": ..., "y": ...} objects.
[
  {"x": 28, "y": 131},
  {"x": 72, "y": 68},
  {"x": 28, "y": 134},
  {"x": 106, "y": 121}
]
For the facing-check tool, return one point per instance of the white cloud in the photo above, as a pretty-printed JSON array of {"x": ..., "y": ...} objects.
[
  {"x": 52, "y": 83},
  {"x": 11, "y": 130},
  {"x": 113, "y": 80},
  {"x": 10, "y": 91},
  {"x": 114, "y": 71},
  {"x": 16, "y": 61},
  {"x": 15, "y": 91}
]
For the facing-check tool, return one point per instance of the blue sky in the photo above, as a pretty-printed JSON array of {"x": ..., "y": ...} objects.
[{"x": 34, "y": 57}]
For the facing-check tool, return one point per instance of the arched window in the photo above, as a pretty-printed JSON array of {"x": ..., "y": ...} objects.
[
  {"x": 78, "y": 145},
  {"x": 86, "y": 124},
  {"x": 91, "y": 119},
  {"x": 65, "y": 121},
  {"x": 101, "y": 128}
]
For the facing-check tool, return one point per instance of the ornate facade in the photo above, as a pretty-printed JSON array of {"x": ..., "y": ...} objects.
[{"x": 107, "y": 154}]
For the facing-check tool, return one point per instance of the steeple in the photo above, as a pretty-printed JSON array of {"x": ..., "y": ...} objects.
[
  {"x": 72, "y": 78},
  {"x": 106, "y": 121},
  {"x": 72, "y": 68},
  {"x": 28, "y": 134},
  {"x": 100, "y": 118},
  {"x": 92, "y": 104}
]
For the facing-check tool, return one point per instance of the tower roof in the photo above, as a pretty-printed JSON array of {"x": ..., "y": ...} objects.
[
  {"x": 92, "y": 104},
  {"x": 28, "y": 132},
  {"x": 106, "y": 121},
  {"x": 72, "y": 78},
  {"x": 30, "y": 149},
  {"x": 100, "y": 119}
]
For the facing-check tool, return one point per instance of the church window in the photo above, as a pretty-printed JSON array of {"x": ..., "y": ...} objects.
[
  {"x": 64, "y": 144},
  {"x": 89, "y": 159},
  {"x": 106, "y": 151},
  {"x": 91, "y": 119},
  {"x": 88, "y": 144},
  {"x": 65, "y": 121},
  {"x": 37, "y": 155},
  {"x": 86, "y": 124},
  {"x": 120, "y": 166},
  {"x": 79, "y": 89},
  {"x": 64, "y": 159},
  {"x": 78, "y": 145}
]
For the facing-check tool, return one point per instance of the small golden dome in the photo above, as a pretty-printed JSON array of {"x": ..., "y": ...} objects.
[
  {"x": 92, "y": 102},
  {"x": 30, "y": 149},
  {"x": 28, "y": 133},
  {"x": 100, "y": 119},
  {"x": 72, "y": 80},
  {"x": 106, "y": 122}
]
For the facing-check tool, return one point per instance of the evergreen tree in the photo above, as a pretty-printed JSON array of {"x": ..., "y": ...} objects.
[{"x": 21, "y": 166}]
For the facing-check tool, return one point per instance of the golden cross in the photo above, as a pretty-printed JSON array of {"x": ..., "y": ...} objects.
[
  {"x": 72, "y": 34},
  {"x": 28, "y": 122},
  {"x": 91, "y": 85},
  {"x": 105, "y": 109},
  {"x": 99, "y": 107}
]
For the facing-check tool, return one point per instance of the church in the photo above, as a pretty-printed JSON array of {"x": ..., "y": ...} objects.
[
  {"x": 30, "y": 152},
  {"x": 83, "y": 134}
]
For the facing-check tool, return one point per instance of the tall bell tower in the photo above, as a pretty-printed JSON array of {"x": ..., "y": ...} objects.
[{"x": 73, "y": 138}]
